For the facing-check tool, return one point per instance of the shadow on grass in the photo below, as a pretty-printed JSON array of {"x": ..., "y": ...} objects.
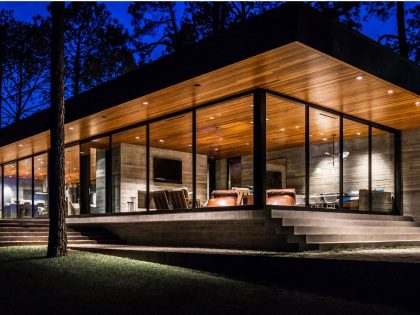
[{"x": 364, "y": 281}]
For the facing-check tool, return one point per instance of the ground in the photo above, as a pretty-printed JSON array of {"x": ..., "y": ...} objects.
[{"x": 93, "y": 283}]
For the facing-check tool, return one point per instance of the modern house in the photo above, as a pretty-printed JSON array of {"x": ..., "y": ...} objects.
[{"x": 287, "y": 130}]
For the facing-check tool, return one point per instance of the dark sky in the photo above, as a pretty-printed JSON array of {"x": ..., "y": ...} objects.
[{"x": 25, "y": 10}]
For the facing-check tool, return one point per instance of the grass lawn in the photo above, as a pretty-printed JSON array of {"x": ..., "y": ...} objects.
[{"x": 97, "y": 284}]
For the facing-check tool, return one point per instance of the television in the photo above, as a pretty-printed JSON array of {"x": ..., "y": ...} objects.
[{"x": 167, "y": 170}]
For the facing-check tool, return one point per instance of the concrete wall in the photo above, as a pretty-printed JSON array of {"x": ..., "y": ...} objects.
[
  {"x": 129, "y": 175},
  {"x": 410, "y": 147}
]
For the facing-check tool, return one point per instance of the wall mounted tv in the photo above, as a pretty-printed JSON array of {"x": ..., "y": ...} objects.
[{"x": 167, "y": 170}]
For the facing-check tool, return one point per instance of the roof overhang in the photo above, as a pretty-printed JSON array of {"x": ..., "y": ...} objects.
[{"x": 292, "y": 50}]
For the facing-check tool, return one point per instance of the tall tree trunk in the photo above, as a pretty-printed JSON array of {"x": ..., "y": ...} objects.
[
  {"x": 57, "y": 241},
  {"x": 402, "y": 37}
]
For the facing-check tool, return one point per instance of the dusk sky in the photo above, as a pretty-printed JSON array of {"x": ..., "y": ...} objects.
[{"x": 25, "y": 10}]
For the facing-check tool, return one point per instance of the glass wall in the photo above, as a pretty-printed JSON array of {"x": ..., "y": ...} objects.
[
  {"x": 72, "y": 180},
  {"x": 10, "y": 191},
  {"x": 285, "y": 153},
  {"x": 94, "y": 161},
  {"x": 25, "y": 188},
  {"x": 383, "y": 171},
  {"x": 355, "y": 166},
  {"x": 129, "y": 170},
  {"x": 324, "y": 169},
  {"x": 171, "y": 164},
  {"x": 1, "y": 193},
  {"x": 40, "y": 208},
  {"x": 225, "y": 153},
  {"x": 109, "y": 174}
]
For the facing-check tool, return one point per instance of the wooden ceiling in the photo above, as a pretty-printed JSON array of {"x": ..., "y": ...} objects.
[{"x": 294, "y": 69}]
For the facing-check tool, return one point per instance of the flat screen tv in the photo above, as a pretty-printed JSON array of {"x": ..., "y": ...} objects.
[{"x": 167, "y": 170}]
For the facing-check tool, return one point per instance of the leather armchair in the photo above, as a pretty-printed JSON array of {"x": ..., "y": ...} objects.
[
  {"x": 281, "y": 197},
  {"x": 223, "y": 198}
]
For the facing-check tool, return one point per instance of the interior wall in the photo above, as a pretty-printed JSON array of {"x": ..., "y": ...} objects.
[
  {"x": 410, "y": 152},
  {"x": 129, "y": 175},
  {"x": 323, "y": 174}
]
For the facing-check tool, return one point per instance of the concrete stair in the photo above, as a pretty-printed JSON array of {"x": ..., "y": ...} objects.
[
  {"x": 329, "y": 230},
  {"x": 21, "y": 232}
]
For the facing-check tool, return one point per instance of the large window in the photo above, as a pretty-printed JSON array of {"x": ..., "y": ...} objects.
[
  {"x": 40, "y": 186},
  {"x": 355, "y": 166},
  {"x": 171, "y": 164},
  {"x": 1, "y": 192},
  {"x": 129, "y": 170},
  {"x": 324, "y": 169},
  {"x": 285, "y": 138},
  {"x": 225, "y": 146},
  {"x": 25, "y": 188},
  {"x": 72, "y": 180},
  {"x": 10, "y": 193},
  {"x": 94, "y": 159}
]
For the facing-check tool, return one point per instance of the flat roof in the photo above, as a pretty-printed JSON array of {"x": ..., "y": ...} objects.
[{"x": 293, "y": 50}]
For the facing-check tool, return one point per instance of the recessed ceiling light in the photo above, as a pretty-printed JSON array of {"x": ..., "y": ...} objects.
[
  {"x": 251, "y": 122},
  {"x": 220, "y": 139},
  {"x": 211, "y": 117},
  {"x": 20, "y": 145},
  {"x": 145, "y": 103},
  {"x": 247, "y": 143},
  {"x": 297, "y": 127},
  {"x": 190, "y": 145},
  {"x": 39, "y": 168},
  {"x": 161, "y": 141},
  {"x": 137, "y": 138},
  {"x": 71, "y": 128},
  {"x": 216, "y": 149},
  {"x": 74, "y": 168},
  {"x": 417, "y": 103},
  {"x": 282, "y": 129},
  {"x": 390, "y": 92},
  {"x": 267, "y": 119},
  {"x": 310, "y": 135},
  {"x": 42, "y": 162},
  {"x": 358, "y": 133},
  {"x": 324, "y": 139},
  {"x": 67, "y": 162},
  {"x": 12, "y": 166},
  {"x": 359, "y": 78},
  {"x": 252, "y": 105}
]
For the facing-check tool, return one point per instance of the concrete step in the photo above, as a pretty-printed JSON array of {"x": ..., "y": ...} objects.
[
  {"x": 360, "y": 238},
  {"x": 39, "y": 238},
  {"x": 371, "y": 244},
  {"x": 31, "y": 233},
  {"x": 40, "y": 243},
  {"x": 344, "y": 222},
  {"x": 335, "y": 215},
  {"x": 18, "y": 224},
  {"x": 320, "y": 230}
]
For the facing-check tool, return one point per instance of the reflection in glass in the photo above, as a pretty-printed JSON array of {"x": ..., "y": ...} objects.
[
  {"x": 171, "y": 164},
  {"x": 225, "y": 153},
  {"x": 355, "y": 166},
  {"x": 40, "y": 208},
  {"x": 383, "y": 171},
  {"x": 324, "y": 170},
  {"x": 25, "y": 188},
  {"x": 94, "y": 156},
  {"x": 10, "y": 195},
  {"x": 72, "y": 180},
  {"x": 129, "y": 170},
  {"x": 285, "y": 136}
]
